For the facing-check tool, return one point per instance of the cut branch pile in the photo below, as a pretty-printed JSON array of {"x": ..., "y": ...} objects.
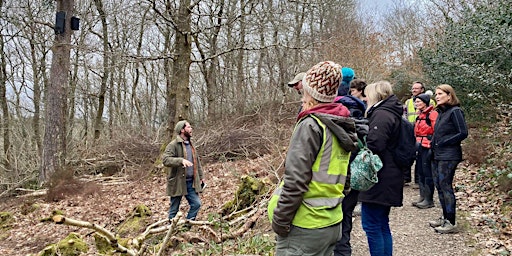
[{"x": 137, "y": 246}]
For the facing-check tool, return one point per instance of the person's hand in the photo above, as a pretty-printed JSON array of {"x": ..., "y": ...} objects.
[{"x": 186, "y": 163}]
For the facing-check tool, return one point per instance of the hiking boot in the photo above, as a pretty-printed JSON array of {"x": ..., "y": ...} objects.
[
  {"x": 436, "y": 223},
  {"x": 425, "y": 204},
  {"x": 447, "y": 228},
  {"x": 421, "y": 199}
]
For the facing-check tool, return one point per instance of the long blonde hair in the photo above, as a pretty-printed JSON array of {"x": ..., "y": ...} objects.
[
  {"x": 308, "y": 102},
  {"x": 377, "y": 91}
]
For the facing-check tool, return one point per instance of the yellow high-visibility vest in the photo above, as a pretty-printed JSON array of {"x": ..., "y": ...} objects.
[{"x": 321, "y": 204}]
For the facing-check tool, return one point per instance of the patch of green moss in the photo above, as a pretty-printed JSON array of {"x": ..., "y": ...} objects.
[
  {"x": 72, "y": 245},
  {"x": 142, "y": 211},
  {"x": 248, "y": 191},
  {"x": 105, "y": 248},
  {"x": 135, "y": 221},
  {"x": 6, "y": 220},
  {"x": 102, "y": 245}
]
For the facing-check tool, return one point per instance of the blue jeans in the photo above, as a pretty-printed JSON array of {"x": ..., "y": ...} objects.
[
  {"x": 193, "y": 200},
  {"x": 443, "y": 172},
  {"x": 375, "y": 222}
]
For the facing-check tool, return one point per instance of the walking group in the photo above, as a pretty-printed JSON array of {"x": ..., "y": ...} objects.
[{"x": 311, "y": 209}]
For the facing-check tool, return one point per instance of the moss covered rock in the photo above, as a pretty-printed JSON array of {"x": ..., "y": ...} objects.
[
  {"x": 248, "y": 191},
  {"x": 70, "y": 246},
  {"x": 136, "y": 221}
]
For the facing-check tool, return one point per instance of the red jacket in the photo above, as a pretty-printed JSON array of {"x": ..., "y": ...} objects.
[{"x": 422, "y": 129}]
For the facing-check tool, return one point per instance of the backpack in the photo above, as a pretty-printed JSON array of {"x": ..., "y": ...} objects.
[{"x": 404, "y": 150}]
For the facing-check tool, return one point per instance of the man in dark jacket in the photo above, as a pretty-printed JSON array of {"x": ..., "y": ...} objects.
[{"x": 185, "y": 175}]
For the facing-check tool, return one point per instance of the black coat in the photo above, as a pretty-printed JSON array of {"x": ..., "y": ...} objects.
[
  {"x": 449, "y": 131},
  {"x": 381, "y": 136}
]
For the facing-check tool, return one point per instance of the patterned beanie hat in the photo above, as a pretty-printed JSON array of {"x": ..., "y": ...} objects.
[{"x": 322, "y": 81}]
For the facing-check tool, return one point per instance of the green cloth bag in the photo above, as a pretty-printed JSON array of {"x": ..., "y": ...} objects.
[{"x": 364, "y": 168}]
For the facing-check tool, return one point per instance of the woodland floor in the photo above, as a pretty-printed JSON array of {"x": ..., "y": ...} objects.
[{"x": 108, "y": 204}]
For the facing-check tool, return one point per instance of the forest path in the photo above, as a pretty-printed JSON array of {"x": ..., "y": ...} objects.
[{"x": 411, "y": 233}]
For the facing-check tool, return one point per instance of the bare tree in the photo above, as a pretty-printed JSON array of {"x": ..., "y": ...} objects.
[
  {"x": 54, "y": 143},
  {"x": 98, "y": 121},
  {"x": 179, "y": 18},
  {"x": 3, "y": 100}
]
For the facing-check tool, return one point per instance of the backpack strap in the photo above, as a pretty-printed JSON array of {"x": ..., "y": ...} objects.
[{"x": 427, "y": 119}]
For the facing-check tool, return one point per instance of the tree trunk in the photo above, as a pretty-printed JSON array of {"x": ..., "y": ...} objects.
[
  {"x": 98, "y": 121},
  {"x": 3, "y": 102},
  {"x": 170, "y": 87},
  {"x": 54, "y": 142},
  {"x": 37, "y": 76},
  {"x": 181, "y": 66}
]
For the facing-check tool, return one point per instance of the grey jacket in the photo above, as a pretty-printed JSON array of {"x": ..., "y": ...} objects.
[
  {"x": 304, "y": 147},
  {"x": 176, "y": 177}
]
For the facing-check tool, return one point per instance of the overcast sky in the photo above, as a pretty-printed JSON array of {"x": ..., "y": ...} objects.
[{"x": 375, "y": 6}]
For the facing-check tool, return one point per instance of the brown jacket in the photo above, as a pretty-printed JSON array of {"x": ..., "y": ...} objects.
[{"x": 176, "y": 177}]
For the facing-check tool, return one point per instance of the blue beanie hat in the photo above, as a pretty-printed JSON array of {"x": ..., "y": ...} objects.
[{"x": 348, "y": 74}]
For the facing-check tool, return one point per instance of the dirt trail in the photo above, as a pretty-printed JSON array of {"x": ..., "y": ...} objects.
[{"x": 412, "y": 236}]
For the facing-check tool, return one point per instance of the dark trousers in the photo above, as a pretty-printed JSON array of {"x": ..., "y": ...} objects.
[
  {"x": 408, "y": 175},
  {"x": 343, "y": 247},
  {"x": 423, "y": 169},
  {"x": 443, "y": 172},
  {"x": 408, "y": 172}
]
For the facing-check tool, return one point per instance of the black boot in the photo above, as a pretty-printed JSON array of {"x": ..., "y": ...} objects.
[
  {"x": 425, "y": 204},
  {"x": 422, "y": 194},
  {"x": 428, "y": 201}
]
